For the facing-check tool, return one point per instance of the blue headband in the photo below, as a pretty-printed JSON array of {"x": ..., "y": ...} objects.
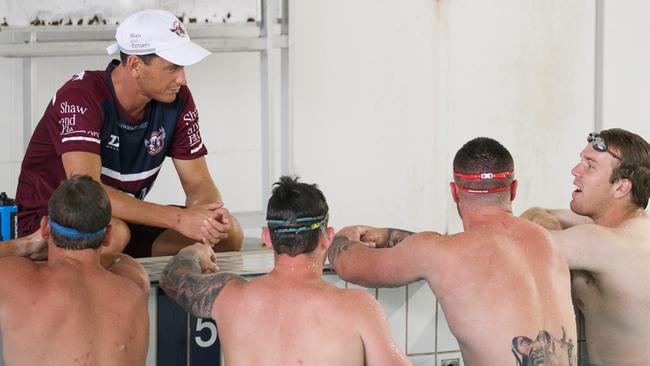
[{"x": 73, "y": 233}]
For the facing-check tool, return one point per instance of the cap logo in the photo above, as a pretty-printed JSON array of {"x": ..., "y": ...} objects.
[
  {"x": 136, "y": 42},
  {"x": 177, "y": 27}
]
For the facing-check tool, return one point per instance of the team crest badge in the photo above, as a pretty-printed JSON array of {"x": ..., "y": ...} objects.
[
  {"x": 177, "y": 27},
  {"x": 156, "y": 142},
  {"x": 79, "y": 76}
]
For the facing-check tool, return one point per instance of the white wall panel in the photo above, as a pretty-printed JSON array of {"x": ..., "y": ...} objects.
[
  {"x": 363, "y": 109},
  {"x": 626, "y": 77},
  {"x": 522, "y": 73},
  {"x": 226, "y": 91}
]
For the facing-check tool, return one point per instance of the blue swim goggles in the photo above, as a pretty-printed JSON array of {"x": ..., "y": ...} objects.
[
  {"x": 302, "y": 225},
  {"x": 71, "y": 233}
]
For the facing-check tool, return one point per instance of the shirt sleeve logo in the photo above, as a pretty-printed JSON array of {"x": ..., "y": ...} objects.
[
  {"x": 68, "y": 117},
  {"x": 156, "y": 142}
]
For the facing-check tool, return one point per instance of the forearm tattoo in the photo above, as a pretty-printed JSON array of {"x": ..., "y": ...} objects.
[
  {"x": 195, "y": 292},
  {"x": 544, "y": 350},
  {"x": 395, "y": 236},
  {"x": 338, "y": 246}
]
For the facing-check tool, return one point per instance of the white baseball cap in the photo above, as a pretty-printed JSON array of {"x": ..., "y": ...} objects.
[{"x": 159, "y": 32}]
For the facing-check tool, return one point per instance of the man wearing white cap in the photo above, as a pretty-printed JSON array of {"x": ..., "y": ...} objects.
[{"x": 118, "y": 126}]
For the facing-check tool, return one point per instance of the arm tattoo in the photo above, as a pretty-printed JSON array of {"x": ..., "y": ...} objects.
[
  {"x": 339, "y": 245},
  {"x": 543, "y": 349},
  {"x": 195, "y": 292},
  {"x": 394, "y": 236}
]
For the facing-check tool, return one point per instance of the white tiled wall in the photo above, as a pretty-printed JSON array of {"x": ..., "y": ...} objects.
[
  {"x": 372, "y": 291},
  {"x": 411, "y": 312},
  {"x": 334, "y": 280},
  {"x": 423, "y": 360},
  {"x": 393, "y": 302},
  {"x": 445, "y": 341},
  {"x": 420, "y": 319}
]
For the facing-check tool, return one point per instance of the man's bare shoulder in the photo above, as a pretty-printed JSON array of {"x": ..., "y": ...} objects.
[
  {"x": 22, "y": 281},
  {"x": 637, "y": 227},
  {"x": 632, "y": 237},
  {"x": 235, "y": 290},
  {"x": 509, "y": 229},
  {"x": 352, "y": 302},
  {"x": 18, "y": 269},
  {"x": 633, "y": 234}
]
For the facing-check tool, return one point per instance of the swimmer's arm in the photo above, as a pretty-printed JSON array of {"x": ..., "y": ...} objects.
[
  {"x": 183, "y": 280},
  {"x": 553, "y": 219},
  {"x": 127, "y": 267},
  {"x": 379, "y": 347},
  {"x": 387, "y": 267},
  {"x": 32, "y": 246},
  {"x": 588, "y": 247},
  {"x": 9, "y": 249},
  {"x": 569, "y": 218}
]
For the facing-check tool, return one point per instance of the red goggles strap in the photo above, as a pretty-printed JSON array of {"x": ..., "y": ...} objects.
[
  {"x": 501, "y": 175},
  {"x": 485, "y": 191}
]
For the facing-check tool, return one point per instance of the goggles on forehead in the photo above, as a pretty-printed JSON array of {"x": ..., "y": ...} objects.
[
  {"x": 599, "y": 144},
  {"x": 481, "y": 176},
  {"x": 300, "y": 224}
]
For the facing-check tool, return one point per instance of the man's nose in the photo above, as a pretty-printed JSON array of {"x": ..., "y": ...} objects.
[
  {"x": 180, "y": 78},
  {"x": 576, "y": 170}
]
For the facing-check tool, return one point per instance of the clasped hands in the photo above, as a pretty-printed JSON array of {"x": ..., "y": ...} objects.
[{"x": 208, "y": 223}]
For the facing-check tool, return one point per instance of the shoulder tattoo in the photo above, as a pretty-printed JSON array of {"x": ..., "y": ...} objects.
[
  {"x": 338, "y": 246},
  {"x": 195, "y": 292},
  {"x": 395, "y": 236}
]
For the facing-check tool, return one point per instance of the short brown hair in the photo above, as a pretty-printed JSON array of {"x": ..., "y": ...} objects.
[
  {"x": 145, "y": 58},
  {"x": 634, "y": 165},
  {"x": 484, "y": 155},
  {"x": 290, "y": 201},
  {"x": 81, "y": 204}
]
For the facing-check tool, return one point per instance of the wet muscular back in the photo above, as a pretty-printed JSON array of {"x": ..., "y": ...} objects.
[
  {"x": 506, "y": 295},
  {"x": 69, "y": 315},
  {"x": 273, "y": 323}
]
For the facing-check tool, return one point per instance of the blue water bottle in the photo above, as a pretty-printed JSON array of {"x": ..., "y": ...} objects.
[{"x": 7, "y": 217}]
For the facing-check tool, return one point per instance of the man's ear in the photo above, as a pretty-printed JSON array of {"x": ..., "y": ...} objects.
[
  {"x": 133, "y": 65},
  {"x": 108, "y": 235},
  {"x": 622, "y": 187},
  {"x": 454, "y": 191},
  {"x": 513, "y": 190},
  {"x": 45, "y": 228},
  {"x": 266, "y": 237},
  {"x": 329, "y": 238}
]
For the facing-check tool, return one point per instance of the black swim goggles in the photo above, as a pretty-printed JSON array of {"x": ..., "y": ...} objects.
[{"x": 599, "y": 144}]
